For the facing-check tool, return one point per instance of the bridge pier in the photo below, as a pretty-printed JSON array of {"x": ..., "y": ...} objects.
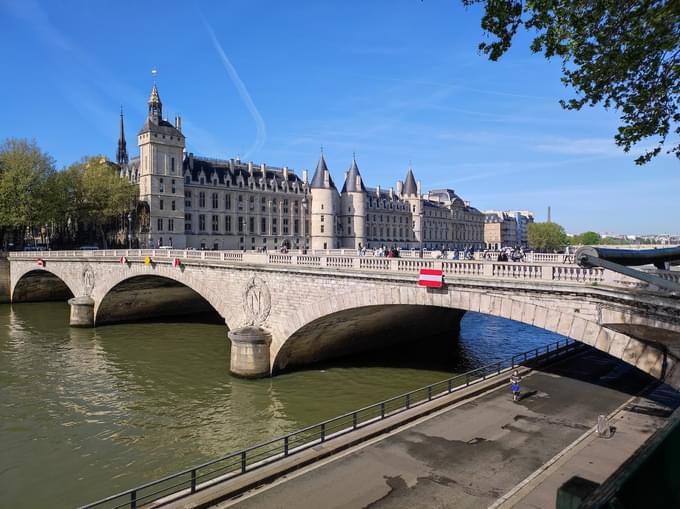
[
  {"x": 82, "y": 311},
  {"x": 249, "y": 352}
]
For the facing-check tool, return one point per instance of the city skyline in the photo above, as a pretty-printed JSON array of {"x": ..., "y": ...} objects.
[{"x": 409, "y": 88}]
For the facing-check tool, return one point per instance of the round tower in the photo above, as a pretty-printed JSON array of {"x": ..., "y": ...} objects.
[
  {"x": 325, "y": 204},
  {"x": 353, "y": 209},
  {"x": 410, "y": 193}
]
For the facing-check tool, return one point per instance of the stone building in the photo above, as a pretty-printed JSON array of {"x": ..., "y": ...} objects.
[
  {"x": 506, "y": 228},
  {"x": 205, "y": 203}
]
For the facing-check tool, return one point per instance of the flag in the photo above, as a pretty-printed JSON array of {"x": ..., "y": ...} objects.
[
  {"x": 176, "y": 262},
  {"x": 433, "y": 278}
]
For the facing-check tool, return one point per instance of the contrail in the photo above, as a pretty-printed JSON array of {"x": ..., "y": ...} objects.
[{"x": 243, "y": 92}]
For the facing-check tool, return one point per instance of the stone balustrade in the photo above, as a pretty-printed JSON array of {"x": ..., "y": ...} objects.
[{"x": 540, "y": 269}]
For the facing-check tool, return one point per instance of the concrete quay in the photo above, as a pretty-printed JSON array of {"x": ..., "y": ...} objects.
[{"x": 485, "y": 451}]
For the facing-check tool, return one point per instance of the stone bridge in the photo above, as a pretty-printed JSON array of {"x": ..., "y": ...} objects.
[{"x": 287, "y": 310}]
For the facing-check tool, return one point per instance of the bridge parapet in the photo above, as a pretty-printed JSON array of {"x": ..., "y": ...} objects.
[{"x": 485, "y": 269}]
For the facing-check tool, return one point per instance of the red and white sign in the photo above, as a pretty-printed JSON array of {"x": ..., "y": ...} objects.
[
  {"x": 40, "y": 262},
  {"x": 122, "y": 259},
  {"x": 176, "y": 262},
  {"x": 434, "y": 278}
]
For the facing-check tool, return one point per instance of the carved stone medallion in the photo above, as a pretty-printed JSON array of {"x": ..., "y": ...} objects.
[
  {"x": 88, "y": 280},
  {"x": 257, "y": 301}
]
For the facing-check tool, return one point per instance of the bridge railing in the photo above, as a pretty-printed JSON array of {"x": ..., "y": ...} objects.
[{"x": 246, "y": 460}]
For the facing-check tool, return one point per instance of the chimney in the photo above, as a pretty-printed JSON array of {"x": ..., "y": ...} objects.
[
  {"x": 191, "y": 160},
  {"x": 400, "y": 187},
  {"x": 263, "y": 167},
  {"x": 418, "y": 188},
  {"x": 178, "y": 123},
  {"x": 304, "y": 176},
  {"x": 285, "y": 172},
  {"x": 231, "y": 164},
  {"x": 391, "y": 193},
  {"x": 250, "y": 167},
  {"x": 377, "y": 191}
]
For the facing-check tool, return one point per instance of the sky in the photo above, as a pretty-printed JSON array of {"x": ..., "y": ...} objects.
[{"x": 396, "y": 82}]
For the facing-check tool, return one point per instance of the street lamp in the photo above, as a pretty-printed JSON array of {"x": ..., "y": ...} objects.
[
  {"x": 305, "y": 204},
  {"x": 129, "y": 218},
  {"x": 421, "y": 238}
]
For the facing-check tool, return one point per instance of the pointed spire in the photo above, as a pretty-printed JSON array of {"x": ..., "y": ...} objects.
[
  {"x": 319, "y": 178},
  {"x": 121, "y": 155},
  {"x": 155, "y": 105},
  {"x": 353, "y": 182},
  {"x": 410, "y": 186}
]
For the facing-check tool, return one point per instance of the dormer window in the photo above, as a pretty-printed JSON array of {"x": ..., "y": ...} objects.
[
  {"x": 201, "y": 181},
  {"x": 187, "y": 179}
]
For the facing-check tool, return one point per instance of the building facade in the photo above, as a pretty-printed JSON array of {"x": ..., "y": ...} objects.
[
  {"x": 506, "y": 228},
  {"x": 205, "y": 203}
]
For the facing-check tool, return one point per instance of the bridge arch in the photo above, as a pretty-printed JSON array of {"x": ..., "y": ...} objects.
[
  {"x": 143, "y": 296},
  {"x": 645, "y": 356},
  {"x": 39, "y": 284}
]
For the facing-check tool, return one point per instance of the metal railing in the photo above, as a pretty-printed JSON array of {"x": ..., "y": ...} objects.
[{"x": 246, "y": 460}]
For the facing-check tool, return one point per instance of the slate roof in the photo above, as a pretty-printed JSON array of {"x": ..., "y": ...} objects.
[
  {"x": 410, "y": 186},
  {"x": 350, "y": 185},
  {"x": 163, "y": 127},
  {"x": 318, "y": 180},
  {"x": 220, "y": 168}
]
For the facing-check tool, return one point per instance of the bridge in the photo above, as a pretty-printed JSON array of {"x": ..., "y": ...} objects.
[{"x": 288, "y": 310}]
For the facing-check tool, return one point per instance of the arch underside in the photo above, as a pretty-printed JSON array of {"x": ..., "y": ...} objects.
[
  {"x": 151, "y": 297},
  {"x": 40, "y": 286},
  {"x": 366, "y": 328}
]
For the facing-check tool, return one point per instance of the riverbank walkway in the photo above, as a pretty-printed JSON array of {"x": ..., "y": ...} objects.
[{"x": 487, "y": 451}]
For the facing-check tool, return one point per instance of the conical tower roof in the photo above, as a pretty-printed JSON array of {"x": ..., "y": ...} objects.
[
  {"x": 410, "y": 186},
  {"x": 353, "y": 176},
  {"x": 319, "y": 178},
  {"x": 154, "y": 98}
]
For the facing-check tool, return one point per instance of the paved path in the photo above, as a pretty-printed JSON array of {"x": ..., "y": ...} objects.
[{"x": 467, "y": 456}]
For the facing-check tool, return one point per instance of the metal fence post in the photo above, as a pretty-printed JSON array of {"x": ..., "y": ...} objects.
[
  {"x": 382, "y": 410},
  {"x": 193, "y": 481},
  {"x": 243, "y": 462},
  {"x": 133, "y": 499},
  {"x": 354, "y": 420},
  {"x": 429, "y": 393},
  {"x": 408, "y": 401},
  {"x": 323, "y": 431},
  {"x": 450, "y": 385},
  {"x": 285, "y": 445}
]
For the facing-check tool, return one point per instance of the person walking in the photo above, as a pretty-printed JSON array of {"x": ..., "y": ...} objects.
[{"x": 515, "y": 379}]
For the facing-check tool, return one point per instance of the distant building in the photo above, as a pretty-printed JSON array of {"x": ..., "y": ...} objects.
[
  {"x": 506, "y": 228},
  {"x": 204, "y": 203}
]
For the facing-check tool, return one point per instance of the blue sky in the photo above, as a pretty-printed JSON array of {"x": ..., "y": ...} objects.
[{"x": 392, "y": 80}]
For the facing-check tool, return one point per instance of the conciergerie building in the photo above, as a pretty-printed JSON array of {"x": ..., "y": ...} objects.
[{"x": 205, "y": 203}]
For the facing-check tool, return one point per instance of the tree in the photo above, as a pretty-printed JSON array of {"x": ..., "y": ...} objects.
[
  {"x": 618, "y": 53},
  {"x": 588, "y": 239},
  {"x": 99, "y": 198},
  {"x": 24, "y": 175},
  {"x": 546, "y": 236}
]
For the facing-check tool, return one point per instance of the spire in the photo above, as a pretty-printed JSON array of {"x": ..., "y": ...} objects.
[
  {"x": 121, "y": 155},
  {"x": 155, "y": 105},
  {"x": 410, "y": 186},
  {"x": 322, "y": 177},
  {"x": 353, "y": 182}
]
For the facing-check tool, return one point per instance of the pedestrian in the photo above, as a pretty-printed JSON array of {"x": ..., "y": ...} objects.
[{"x": 515, "y": 379}]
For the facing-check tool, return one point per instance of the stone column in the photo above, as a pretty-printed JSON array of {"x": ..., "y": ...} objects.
[
  {"x": 250, "y": 352},
  {"x": 82, "y": 311}
]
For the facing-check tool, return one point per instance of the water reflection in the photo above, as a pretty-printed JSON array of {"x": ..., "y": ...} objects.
[{"x": 88, "y": 412}]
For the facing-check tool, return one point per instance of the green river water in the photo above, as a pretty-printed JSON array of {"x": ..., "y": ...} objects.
[{"x": 85, "y": 413}]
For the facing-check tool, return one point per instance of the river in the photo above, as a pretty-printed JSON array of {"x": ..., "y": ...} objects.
[{"x": 85, "y": 413}]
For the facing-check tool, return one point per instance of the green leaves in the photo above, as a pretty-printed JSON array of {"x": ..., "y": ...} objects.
[
  {"x": 546, "y": 236},
  {"x": 623, "y": 54}
]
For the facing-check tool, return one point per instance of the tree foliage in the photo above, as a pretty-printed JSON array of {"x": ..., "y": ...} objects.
[
  {"x": 86, "y": 201},
  {"x": 618, "y": 53},
  {"x": 588, "y": 239},
  {"x": 546, "y": 236}
]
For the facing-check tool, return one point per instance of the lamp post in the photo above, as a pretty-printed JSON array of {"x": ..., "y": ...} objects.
[
  {"x": 305, "y": 204},
  {"x": 420, "y": 240},
  {"x": 129, "y": 218}
]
